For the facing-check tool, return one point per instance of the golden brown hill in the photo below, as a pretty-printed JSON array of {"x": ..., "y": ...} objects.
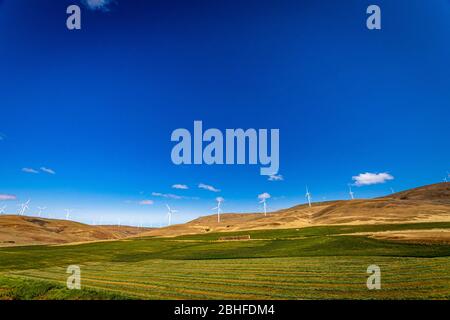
[
  {"x": 425, "y": 204},
  {"x": 439, "y": 192},
  {"x": 23, "y": 230}
]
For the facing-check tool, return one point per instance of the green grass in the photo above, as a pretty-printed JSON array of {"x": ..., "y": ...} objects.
[
  {"x": 318, "y": 262},
  {"x": 265, "y": 278},
  {"x": 320, "y": 231},
  {"x": 24, "y": 288}
]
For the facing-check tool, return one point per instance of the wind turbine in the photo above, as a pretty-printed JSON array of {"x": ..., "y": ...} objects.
[
  {"x": 68, "y": 212},
  {"x": 2, "y": 209},
  {"x": 351, "y": 193},
  {"x": 169, "y": 213},
  {"x": 263, "y": 201},
  {"x": 263, "y": 197},
  {"x": 40, "y": 210},
  {"x": 392, "y": 191},
  {"x": 219, "y": 202},
  {"x": 23, "y": 207},
  {"x": 308, "y": 196}
]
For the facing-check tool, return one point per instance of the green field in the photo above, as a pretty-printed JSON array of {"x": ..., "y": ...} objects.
[{"x": 309, "y": 263}]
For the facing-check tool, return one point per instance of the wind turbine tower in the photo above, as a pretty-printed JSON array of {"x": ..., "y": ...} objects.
[
  {"x": 40, "y": 210},
  {"x": 263, "y": 201},
  {"x": 219, "y": 202},
  {"x": 263, "y": 197},
  {"x": 308, "y": 196},
  {"x": 68, "y": 212},
  {"x": 23, "y": 207},
  {"x": 351, "y": 193},
  {"x": 2, "y": 209},
  {"x": 169, "y": 214}
]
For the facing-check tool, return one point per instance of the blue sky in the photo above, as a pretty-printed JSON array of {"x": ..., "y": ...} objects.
[{"x": 97, "y": 106}]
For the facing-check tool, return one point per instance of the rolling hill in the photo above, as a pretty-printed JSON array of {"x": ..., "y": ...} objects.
[
  {"x": 424, "y": 204},
  {"x": 23, "y": 230},
  {"x": 439, "y": 192}
]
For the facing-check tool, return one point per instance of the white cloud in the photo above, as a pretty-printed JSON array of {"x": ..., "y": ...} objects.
[
  {"x": 264, "y": 195},
  {"x": 48, "y": 170},
  {"x": 4, "y": 197},
  {"x": 146, "y": 202},
  {"x": 98, "y": 4},
  {"x": 366, "y": 179},
  {"x": 208, "y": 187},
  {"x": 29, "y": 170},
  {"x": 276, "y": 177},
  {"x": 166, "y": 195},
  {"x": 172, "y": 196},
  {"x": 180, "y": 186}
]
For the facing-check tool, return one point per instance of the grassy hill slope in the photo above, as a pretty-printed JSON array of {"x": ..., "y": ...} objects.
[
  {"x": 23, "y": 230},
  {"x": 425, "y": 204}
]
